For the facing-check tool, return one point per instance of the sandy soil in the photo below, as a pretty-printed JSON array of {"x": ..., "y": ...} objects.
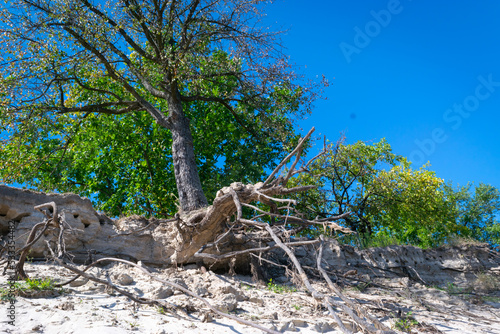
[{"x": 87, "y": 307}]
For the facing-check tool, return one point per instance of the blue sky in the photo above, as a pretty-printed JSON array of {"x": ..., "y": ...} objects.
[
  {"x": 423, "y": 74},
  {"x": 401, "y": 70}
]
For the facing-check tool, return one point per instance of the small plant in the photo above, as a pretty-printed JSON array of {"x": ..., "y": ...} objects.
[
  {"x": 5, "y": 295},
  {"x": 297, "y": 307},
  {"x": 362, "y": 286},
  {"x": 405, "y": 323},
  {"x": 161, "y": 310},
  {"x": 27, "y": 286},
  {"x": 29, "y": 258},
  {"x": 40, "y": 284},
  {"x": 278, "y": 288},
  {"x": 133, "y": 325},
  {"x": 452, "y": 288}
]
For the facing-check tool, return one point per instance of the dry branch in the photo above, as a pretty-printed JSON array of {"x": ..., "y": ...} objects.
[
  {"x": 149, "y": 301},
  {"x": 299, "y": 147},
  {"x": 339, "y": 293},
  {"x": 296, "y": 220},
  {"x": 203, "y": 229},
  {"x": 53, "y": 220},
  {"x": 33, "y": 237}
]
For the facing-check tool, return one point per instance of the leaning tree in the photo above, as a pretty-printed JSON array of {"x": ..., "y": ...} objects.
[
  {"x": 123, "y": 163},
  {"x": 160, "y": 56},
  {"x": 82, "y": 57}
]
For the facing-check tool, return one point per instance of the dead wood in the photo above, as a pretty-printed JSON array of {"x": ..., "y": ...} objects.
[
  {"x": 299, "y": 147},
  {"x": 266, "y": 195},
  {"x": 204, "y": 229},
  {"x": 145, "y": 300},
  {"x": 349, "y": 305},
  {"x": 51, "y": 221},
  {"x": 35, "y": 236}
]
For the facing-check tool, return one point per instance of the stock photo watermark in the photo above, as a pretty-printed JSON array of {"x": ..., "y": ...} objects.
[
  {"x": 11, "y": 271},
  {"x": 364, "y": 36},
  {"x": 454, "y": 117}
]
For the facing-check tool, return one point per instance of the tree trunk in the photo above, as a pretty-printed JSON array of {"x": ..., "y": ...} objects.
[{"x": 191, "y": 196}]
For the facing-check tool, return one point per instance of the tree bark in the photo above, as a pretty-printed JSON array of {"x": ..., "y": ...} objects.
[{"x": 191, "y": 196}]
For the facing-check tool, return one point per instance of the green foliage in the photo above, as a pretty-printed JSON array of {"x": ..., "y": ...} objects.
[
  {"x": 342, "y": 175},
  {"x": 406, "y": 323},
  {"x": 387, "y": 198},
  {"x": 35, "y": 284},
  {"x": 475, "y": 212},
  {"x": 391, "y": 203},
  {"x": 411, "y": 206},
  {"x": 279, "y": 288},
  {"x": 88, "y": 89},
  {"x": 124, "y": 162},
  {"x": 6, "y": 295},
  {"x": 451, "y": 288},
  {"x": 39, "y": 284}
]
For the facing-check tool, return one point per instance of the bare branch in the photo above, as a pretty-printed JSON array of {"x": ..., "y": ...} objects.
[
  {"x": 122, "y": 32},
  {"x": 200, "y": 253},
  {"x": 284, "y": 161},
  {"x": 171, "y": 284},
  {"x": 348, "y": 302},
  {"x": 103, "y": 108}
]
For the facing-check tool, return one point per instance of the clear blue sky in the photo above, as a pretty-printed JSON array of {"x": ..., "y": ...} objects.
[{"x": 423, "y": 74}]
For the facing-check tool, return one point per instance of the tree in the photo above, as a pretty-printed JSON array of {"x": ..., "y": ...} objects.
[
  {"x": 123, "y": 162},
  {"x": 390, "y": 200},
  {"x": 130, "y": 56},
  {"x": 411, "y": 206},
  {"x": 383, "y": 193},
  {"x": 343, "y": 176},
  {"x": 475, "y": 212}
]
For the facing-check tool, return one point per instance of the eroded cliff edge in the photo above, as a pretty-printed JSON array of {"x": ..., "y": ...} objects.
[{"x": 95, "y": 235}]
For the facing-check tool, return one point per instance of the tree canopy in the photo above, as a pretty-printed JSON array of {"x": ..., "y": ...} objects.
[
  {"x": 65, "y": 64},
  {"x": 124, "y": 162},
  {"x": 389, "y": 199}
]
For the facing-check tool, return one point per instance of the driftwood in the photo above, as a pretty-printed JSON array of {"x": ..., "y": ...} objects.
[
  {"x": 203, "y": 230},
  {"x": 150, "y": 301},
  {"x": 38, "y": 230}
]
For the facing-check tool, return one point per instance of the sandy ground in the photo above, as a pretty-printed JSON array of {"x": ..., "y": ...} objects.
[{"x": 87, "y": 307}]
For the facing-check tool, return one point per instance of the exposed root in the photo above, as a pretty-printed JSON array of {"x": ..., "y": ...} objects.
[
  {"x": 203, "y": 230},
  {"x": 151, "y": 301}
]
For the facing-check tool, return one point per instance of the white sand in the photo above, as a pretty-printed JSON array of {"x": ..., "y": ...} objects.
[{"x": 91, "y": 309}]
